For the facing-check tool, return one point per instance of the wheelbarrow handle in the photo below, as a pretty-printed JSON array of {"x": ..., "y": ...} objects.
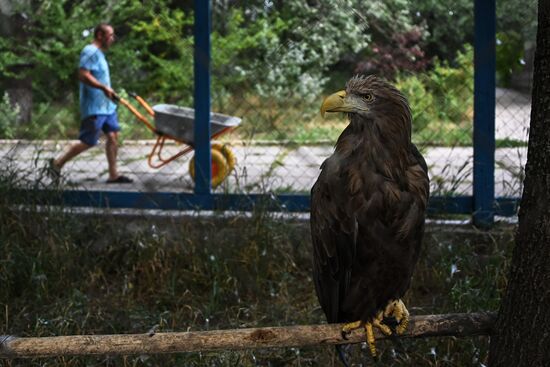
[
  {"x": 132, "y": 109},
  {"x": 116, "y": 98},
  {"x": 144, "y": 104}
]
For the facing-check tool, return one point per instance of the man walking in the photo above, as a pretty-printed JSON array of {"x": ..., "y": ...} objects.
[{"x": 97, "y": 111}]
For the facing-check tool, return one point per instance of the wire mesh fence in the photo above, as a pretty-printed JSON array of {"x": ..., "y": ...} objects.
[
  {"x": 512, "y": 118},
  {"x": 272, "y": 63},
  {"x": 271, "y": 66}
]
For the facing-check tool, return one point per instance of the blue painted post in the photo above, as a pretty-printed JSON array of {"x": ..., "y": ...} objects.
[
  {"x": 484, "y": 112},
  {"x": 203, "y": 170}
]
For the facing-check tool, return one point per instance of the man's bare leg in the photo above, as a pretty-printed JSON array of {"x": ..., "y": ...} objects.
[
  {"x": 111, "y": 149},
  {"x": 73, "y": 151}
]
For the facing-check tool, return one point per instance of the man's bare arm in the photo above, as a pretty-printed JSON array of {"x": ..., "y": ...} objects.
[{"x": 86, "y": 77}]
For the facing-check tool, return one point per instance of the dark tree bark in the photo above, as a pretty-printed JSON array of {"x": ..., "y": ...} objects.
[
  {"x": 19, "y": 89},
  {"x": 522, "y": 332}
]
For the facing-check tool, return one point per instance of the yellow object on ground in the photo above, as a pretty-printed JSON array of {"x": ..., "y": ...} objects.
[
  {"x": 220, "y": 167},
  {"x": 225, "y": 149}
]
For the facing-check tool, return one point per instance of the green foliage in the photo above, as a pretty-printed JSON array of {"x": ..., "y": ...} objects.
[
  {"x": 56, "y": 32},
  {"x": 396, "y": 42},
  {"x": 270, "y": 61},
  {"x": 510, "y": 51},
  {"x": 8, "y": 116},
  {"x": 421, "y": 100},
  {"x": 441, "y": 101},
  {"x": 518, "y": 16},
  {"x": 510, "y": 143},
  {"x": 309, "y": 43},
  {"x": 154, "y": 56},
  {"x": 449, "y": 25},
  {"x": 48, "y": 121},
  {"x": 453, "y": 87},
  {"x": 8, "y": 58},
  {"x": 275, "y": 83},
  {"x": 49, "y": 43},
  {"x": 236, "y": 42},
  {"x": 280, "y": 54}
]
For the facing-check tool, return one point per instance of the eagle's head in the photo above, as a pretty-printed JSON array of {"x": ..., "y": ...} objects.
[{"x": 371, "y": 100}]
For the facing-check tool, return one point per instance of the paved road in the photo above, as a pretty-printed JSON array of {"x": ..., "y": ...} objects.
[
  {"x": 260, "y": 168},
  {"x": 512, "y": 115}
]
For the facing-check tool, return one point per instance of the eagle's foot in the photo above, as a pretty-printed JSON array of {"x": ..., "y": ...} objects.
[
  {"x": 349, "y": 327},
  {"x": 370, "y": 339},
  {"x": 369, "y": 329},
  {"x": 397, "y": 310},
  {"x": 377, "y": 322}
]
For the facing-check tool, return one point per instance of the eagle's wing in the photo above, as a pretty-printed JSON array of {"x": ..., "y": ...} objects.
[
  {"x": 419, "y": 159},
  {"x": 334, "y": 232}
]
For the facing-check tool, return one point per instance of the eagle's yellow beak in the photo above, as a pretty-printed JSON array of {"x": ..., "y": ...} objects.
[
  {"x": 341, "y": 102},
  {"x": 335, "y": 103}
]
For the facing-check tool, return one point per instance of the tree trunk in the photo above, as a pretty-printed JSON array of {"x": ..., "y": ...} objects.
[
  {"x": 522, "y": 332},
  {"x": 19, "y": 89},
  {"x": 20, "y": 93}
]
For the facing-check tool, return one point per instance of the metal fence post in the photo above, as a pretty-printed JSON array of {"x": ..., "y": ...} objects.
[
  {"x": 203, "y": 170},
  {"x": 484, "y": 112}
]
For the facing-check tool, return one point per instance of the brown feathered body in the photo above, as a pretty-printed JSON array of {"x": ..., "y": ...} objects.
[{"x": 368, "y": 207}]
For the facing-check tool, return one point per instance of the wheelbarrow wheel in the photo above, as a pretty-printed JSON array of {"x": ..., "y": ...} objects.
[
  {"x": 225, "y": 149},
  {"x": 220, "y": 167}
]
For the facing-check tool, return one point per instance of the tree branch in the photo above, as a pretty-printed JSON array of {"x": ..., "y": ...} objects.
[{"x": 267, "y": 337}]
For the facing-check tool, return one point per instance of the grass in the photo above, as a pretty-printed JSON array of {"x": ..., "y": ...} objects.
[
  {"x": 64, "y": 273},
  {"x": 510, "y": 143},
  {"x": 445, "y": 134}
]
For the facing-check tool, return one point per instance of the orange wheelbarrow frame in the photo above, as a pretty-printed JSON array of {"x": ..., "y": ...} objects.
[{"x": 161, "y": 137}]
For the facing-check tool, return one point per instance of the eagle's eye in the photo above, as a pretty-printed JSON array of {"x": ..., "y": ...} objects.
[{"x": 368, "y": 97}]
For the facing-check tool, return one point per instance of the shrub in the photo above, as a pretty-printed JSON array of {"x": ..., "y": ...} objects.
[
  {"x": 453, "y": 87},
  {"x": 8, "y": 115},
  {"x": 420, "y": 99},
  {"x": 509, "y": 54},
  {"x": 441, "y": 100},
  {"x": 404, "y": 52}
]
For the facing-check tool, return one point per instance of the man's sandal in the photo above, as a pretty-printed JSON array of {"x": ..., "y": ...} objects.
[{"x": 120, "y": 179}]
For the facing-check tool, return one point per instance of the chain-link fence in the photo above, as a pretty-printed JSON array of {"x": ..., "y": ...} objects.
[
  {"x": 512, "y": 115},
  {"x": 272, "y": 63}
]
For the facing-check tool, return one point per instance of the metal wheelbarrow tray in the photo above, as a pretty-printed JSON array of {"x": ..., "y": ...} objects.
[{"x": 177, "y": 123}]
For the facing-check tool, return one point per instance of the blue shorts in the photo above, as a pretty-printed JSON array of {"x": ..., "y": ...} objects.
[{"x": 92, "y": 126}]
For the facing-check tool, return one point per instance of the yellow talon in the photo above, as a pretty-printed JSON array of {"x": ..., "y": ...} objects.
[
  {"x": 377, "y": 322},
  {"x": 398, "y": 310},
  {"x": 370, "y": 339},
  {"x": 403, "y": 320},
  {"x": 395, "y": 309},
  {"x": 349, "y": 327}
]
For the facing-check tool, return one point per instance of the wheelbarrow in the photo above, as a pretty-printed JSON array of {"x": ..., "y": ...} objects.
[{"x": 176, "y": 123}]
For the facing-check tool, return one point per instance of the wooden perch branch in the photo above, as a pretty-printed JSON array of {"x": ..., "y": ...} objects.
[{"x": 267, "y": 337}]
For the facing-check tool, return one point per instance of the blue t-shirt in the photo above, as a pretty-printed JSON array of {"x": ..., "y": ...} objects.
[{"x": 92, "y": 100}]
